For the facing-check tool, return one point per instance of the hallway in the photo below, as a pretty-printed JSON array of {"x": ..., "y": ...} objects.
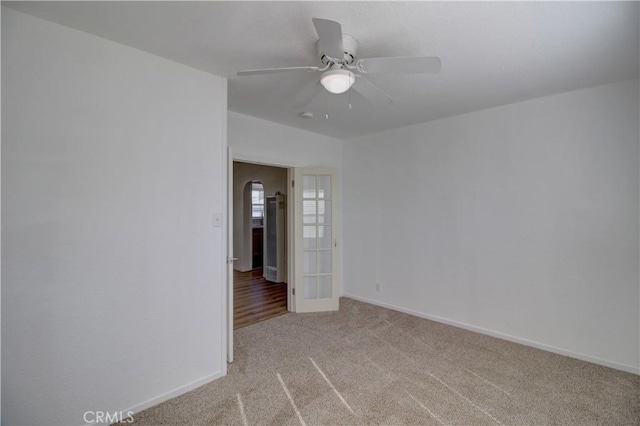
[{"x": 255, "y": 299}]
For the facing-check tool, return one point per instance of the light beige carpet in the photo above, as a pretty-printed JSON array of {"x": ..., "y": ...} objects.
[{"x": 369, "y": 365}]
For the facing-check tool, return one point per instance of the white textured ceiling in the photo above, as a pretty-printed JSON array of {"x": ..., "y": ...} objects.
[{"x": 492, "y": 53}]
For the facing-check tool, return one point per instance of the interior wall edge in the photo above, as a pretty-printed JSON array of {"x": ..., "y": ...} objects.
[
  {"x": 173, "y": 393},
  {"x": 226, "y": 281},
  {"x": 499, "y": 335}
]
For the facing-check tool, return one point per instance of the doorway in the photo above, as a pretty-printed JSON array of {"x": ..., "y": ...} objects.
[{"x": 260, "y": 286}]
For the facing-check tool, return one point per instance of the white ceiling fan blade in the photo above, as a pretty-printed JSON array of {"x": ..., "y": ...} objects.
[
  {"x": 330, "y": 37},
  {"x": 306, "y": 95},
  {"x": 407, "y": 65},
  {"x": 275, "y": 70},
  {"x": 371, "y": 92}
]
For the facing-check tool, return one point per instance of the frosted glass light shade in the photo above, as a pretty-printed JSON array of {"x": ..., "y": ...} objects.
[{"x": 337, "y": 81}]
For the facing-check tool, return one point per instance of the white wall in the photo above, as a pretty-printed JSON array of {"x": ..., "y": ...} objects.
[
  {"x": 274, "y": 179},
  {"x": 111, "y": 169},
  {"x": 521, "y": 221},
  {"x": 261, "y": 141}
]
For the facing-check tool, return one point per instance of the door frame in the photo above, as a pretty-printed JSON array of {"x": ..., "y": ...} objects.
[
  {"x": 290, "y": 235},
  {"x": 229, "y": 259}
]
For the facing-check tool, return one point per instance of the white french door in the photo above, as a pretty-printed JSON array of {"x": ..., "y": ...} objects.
[{"x": 316, "y": 239}]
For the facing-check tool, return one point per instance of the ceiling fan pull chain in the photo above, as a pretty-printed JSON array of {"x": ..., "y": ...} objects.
[
  {"x": 326, "y": 105},
  {"x": 349, "y": 99}
]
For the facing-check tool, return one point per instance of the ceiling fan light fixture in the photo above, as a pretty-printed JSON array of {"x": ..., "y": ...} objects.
[{"x": 337, "y": 81}]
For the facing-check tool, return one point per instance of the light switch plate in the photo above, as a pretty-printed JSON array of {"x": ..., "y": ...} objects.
[{"x": 217, "y": 220}]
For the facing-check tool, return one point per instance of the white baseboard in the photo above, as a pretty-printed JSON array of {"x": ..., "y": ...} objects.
[
  {"x": 172, "y": 394},
  {"x": 526, "y": 342}
]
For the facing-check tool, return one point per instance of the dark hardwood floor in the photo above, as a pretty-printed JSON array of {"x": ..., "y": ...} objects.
[{"x": 255, "y": 299}]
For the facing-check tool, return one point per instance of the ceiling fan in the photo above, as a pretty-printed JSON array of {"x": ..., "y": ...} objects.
[{"x": 343, "y": 70}]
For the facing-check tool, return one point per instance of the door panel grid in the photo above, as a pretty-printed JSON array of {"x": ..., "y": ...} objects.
[
  {"x": 316, "y": 216},
  {"x": 315, "y": 227}
]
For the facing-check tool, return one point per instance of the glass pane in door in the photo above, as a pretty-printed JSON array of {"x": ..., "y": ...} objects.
[
  {"x": 324, "y": 211},
  {"x": 324, "y": 287},
  {"x": 309, "y": 262},
  {"x": 310, "y": 290},
  {"x": 324, "y": 186},
  {"x": 309, "y": 211},
  {"x": 309, "y": 237},
  {"x": 309, "y": 186},
  {"x": 324, "y": 237},
  {"x": 324, "y": 261}
]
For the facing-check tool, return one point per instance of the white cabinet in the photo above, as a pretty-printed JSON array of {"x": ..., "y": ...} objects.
[{"x": 274, "y": 238}]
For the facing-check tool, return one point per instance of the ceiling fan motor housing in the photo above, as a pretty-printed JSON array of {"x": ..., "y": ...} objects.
[{"x": 350, "y": 47}]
